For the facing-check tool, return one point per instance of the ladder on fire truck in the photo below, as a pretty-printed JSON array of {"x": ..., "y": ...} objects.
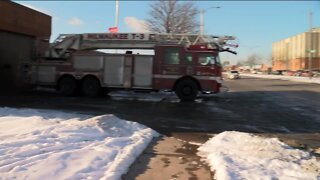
[{"x": 67, "y": 43}]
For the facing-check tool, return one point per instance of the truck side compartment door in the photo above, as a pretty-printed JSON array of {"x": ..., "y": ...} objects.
[
  {"x": 128, "y": 61},
  {"x": 114, "y": 70},
  {"x": 142, "y": 72}
]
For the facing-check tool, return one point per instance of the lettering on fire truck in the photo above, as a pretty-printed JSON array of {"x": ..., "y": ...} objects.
[{"x": 116, "y": 36}]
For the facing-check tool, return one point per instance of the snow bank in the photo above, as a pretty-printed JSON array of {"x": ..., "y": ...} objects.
[
  {"x": 236, "y": 155},
  {"x": 289, "y": 78},
  {"x": 53, "y": 145}
]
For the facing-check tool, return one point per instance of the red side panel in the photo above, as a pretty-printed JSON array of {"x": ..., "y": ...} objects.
[
  {"x": 161, "y": 83},
  {"x": 210, "y": 85}
]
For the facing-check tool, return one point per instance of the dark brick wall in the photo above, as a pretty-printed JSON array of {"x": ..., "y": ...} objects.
[
  {"x": 15, "y": 49},
  {"x": 22, "y": 35},
  {"x": 20, "y": 19}
]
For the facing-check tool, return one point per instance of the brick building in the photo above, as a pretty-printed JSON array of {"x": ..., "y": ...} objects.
[
  {"x": 24, "y": 35},
  {"x": 292, "y": 53}
]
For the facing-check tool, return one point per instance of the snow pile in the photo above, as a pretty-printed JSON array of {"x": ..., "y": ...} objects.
[
  {"x": 54, "y": 145},
  {"x": 236, "y": 155},
  {"x": 289, "y": 78}
]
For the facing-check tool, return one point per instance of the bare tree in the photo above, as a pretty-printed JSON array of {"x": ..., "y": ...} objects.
[
  {"x": 173, "y": 17},
  {"x": 225, "y": 63},
  {"x": 269, "y": 59},
  {"x": 239, "y": 63},
  {"x": 253, "y": 59}
]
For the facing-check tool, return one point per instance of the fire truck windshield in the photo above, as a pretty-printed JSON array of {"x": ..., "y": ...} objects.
[
  {"x": 208, "y": 59},
  {"x": 217, "y": 59}
]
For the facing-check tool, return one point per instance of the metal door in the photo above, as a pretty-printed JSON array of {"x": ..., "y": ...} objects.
[
  {"x": 143, "y": 71},
  {"x": 127, "y": 71},
  {"x": 113, "y": 70}
]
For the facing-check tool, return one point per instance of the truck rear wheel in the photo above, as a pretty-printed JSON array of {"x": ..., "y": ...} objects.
[
  {"x": 90, "y": 86},
  {"x": 67, "y": 86},
  {"x": 187, "y": 90}
]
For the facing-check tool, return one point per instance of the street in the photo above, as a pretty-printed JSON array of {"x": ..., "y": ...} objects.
[{"x": 248, "y": 105}]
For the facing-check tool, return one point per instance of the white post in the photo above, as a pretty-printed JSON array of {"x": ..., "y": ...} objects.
[
  {"x": 117, "y": 13},
  {"x": 287, "y": 56},
  {"x": 310, "y": 44},
  {"x": 116, "y": 19},
  {"x": 202, "y": 11}
]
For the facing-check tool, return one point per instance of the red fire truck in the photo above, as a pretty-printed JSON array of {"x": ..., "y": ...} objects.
[{"x": 185, "y": 64}]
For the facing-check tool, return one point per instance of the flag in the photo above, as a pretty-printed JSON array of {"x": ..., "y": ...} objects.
[{"x": 113, "y": 29}]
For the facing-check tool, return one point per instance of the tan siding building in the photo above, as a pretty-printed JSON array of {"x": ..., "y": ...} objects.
[{"x": 291, "y": 53}]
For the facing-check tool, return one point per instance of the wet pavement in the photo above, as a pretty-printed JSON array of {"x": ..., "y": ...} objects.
[
  {"x": 169, "y": 158},
  {"x": 250, "y": 105}
]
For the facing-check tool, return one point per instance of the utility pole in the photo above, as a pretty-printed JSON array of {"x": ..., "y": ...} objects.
[
  {"x": 287, "y": 56},
  {"x": 117, "y": 14},
  {"x": 202, "y": 11},
  {"x": 310, "y": 45},
  {"x": 116, "y": 20}
]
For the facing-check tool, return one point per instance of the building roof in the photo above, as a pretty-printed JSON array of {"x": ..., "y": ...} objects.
[
  {"x": 23, "y": 20},
  {"x": 316, "y": 29}
]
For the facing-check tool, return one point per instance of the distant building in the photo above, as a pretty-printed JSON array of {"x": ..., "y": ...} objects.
[
  {"x": 265, "y": 68},
  {"x": 257, "y": 67},
  {"x": 245, "y": 68},
  {"x": 292, "y": 53},
  {"x": 229, "y": 67}
]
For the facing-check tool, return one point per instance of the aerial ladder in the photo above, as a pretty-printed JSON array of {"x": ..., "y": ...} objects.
[{"x": 68, "y": 43}]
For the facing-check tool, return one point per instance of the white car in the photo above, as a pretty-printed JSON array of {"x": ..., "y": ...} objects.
[
  {"x": 254, "y": 72},
  {"x": 233, "y": 74}
]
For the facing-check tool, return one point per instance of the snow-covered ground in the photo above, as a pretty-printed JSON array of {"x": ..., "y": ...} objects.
[
  {"x": 289, "y": 78},
  {"x": 235, "y": 155},
  {"x": 38, "y": 144}
]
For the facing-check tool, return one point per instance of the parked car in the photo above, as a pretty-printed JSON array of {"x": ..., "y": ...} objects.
[
  {"x": 316, "y": 73},
  {"x": 306, "y": 73},
  {"x": 283, "y": 72},
  {"x": 290, "y": 73},
  {"x": 298, "y": 73},
  {"x": 233, "y": 74},
  {"x": 254, "y": 72},
  {"x": 278, "y": 72}
]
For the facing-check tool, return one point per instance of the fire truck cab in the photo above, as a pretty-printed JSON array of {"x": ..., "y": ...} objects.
[{"x": 186, "y": 70}]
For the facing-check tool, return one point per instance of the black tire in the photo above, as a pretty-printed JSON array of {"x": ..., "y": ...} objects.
[
  {"x": 90, "y": 87},
  {"x": 187, "y": 90},
  {"x": 67, "y": 86}
]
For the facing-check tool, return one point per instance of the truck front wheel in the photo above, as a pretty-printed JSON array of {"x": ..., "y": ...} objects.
[
  {"x": 90, "y": 87},
  {"x": 67, "y": 86},
  {"x": 187, "y": 90}
]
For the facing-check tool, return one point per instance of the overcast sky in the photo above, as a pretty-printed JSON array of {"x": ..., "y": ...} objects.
[{"x": 256, "y": 24}]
